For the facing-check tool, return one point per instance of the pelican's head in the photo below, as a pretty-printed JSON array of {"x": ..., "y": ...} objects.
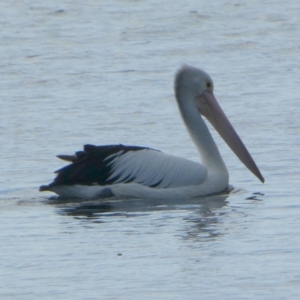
[
  {"x": 195, "y": 85},
  {"x": 192, "y": 81}
]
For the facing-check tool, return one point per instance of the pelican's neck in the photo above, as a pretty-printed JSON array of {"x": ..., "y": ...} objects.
[{"x": 200, "y": 135}]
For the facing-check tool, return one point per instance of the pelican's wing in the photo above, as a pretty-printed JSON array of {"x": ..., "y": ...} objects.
[{"x": 112, "y": 164}]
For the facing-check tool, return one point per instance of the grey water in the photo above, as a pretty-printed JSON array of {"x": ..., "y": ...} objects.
[{"x": 101, "y": 72}]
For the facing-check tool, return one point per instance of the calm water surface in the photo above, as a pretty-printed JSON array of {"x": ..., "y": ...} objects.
[{"x": 74, "y": 73}]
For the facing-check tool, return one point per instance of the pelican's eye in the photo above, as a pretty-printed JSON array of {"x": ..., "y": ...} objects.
[{"x": 208, "y": 84}]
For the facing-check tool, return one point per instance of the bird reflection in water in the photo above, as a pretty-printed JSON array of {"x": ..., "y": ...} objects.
[{"x": 201, "y": 215}]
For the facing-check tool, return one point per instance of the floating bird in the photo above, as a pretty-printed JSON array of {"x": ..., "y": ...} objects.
[{"x": 140, "y": 172}]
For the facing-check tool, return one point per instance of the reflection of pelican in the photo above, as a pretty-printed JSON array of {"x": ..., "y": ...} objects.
[
  {"x": 140, "y": 172},
  {"x": 202, "y": 207}
]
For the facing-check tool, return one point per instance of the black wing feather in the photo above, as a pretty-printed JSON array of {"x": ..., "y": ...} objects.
[{"x": 91, "y": 166}]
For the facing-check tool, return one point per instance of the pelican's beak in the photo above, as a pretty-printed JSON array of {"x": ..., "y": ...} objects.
[{"x": 210, "y": 108}]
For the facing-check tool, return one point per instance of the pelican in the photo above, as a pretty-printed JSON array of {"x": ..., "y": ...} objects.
[{"x": 140, "y": 172}]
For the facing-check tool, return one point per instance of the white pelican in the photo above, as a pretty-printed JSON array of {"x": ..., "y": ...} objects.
[{"x": 141, "y": 172}]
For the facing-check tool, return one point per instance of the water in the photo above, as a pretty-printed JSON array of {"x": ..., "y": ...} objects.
[{"x": 74, "y": 73}]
